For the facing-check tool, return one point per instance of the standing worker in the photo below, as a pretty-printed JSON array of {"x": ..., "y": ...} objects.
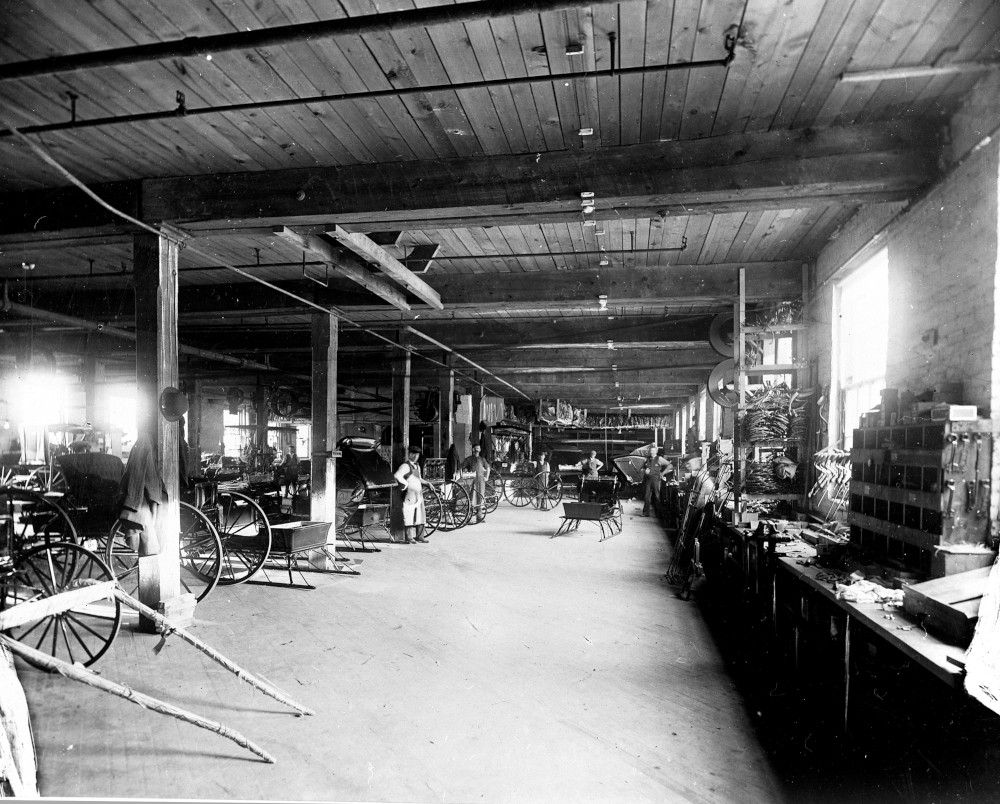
[
  {"x": 477, "y": 463},
  {"x": 653, "y": 470},
  {"x": 289, "y": 468},
  {"x": 411, "y": 483},
  {"x": 591, "y": 466},
  {"x": 542, "y": 470}
]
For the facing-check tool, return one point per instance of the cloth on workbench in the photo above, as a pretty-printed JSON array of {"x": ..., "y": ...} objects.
[
  {"x": 869, "y": 592},
  {"x": 143, "y": 490},
  {"x": 982, "y": 661}
]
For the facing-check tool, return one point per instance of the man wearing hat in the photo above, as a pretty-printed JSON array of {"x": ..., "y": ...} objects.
[{"x": 411, "y": 484}]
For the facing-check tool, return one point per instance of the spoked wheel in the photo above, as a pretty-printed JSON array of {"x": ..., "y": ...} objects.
[
  {"x": 245, "y": 534},
  {"x": 520, "y": 490},
  {"x": 456, "y": 507},
  {"x": 500, "y": 483},
  {"x": 432, "y": 510},
  {"x": 547, "y": 490},
  {"x": 81, "y": 634},
  {"x": 7, "y": 475},
  {"x": 494, "y": 491},
  {"x": 38, "y": 479},
  {"x": 200, "y": 554},
  {"x": 29, "y": 516}
]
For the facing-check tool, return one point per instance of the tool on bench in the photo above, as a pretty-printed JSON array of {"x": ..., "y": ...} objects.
[
  {"x": 971, "y": 489},
  {"x": 963, "y": 453},
  {"x": 982, "y": 496}
]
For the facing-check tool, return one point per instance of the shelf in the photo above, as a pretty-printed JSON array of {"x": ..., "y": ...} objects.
[
  {"x": 775, "y": 330},
  {"x": 775, "y": 368}
]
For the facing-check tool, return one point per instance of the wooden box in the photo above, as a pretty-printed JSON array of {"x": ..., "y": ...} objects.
[
  {"x": 290, "y": 537},
  {"x": 949, "y": 606},
  {"x": 578, "y": 510}
]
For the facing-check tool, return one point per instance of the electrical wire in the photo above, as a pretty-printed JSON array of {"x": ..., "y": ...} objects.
[{"x": 179, "y": 238}]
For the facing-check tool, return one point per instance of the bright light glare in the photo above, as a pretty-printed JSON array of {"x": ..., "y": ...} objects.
[{"x": 40, "y": 399}]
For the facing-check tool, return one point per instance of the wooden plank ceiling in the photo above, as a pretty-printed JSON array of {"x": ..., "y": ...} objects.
[{"x": 694, "y": 172}]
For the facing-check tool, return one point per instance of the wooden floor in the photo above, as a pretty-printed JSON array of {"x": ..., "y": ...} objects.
[{"x": 492, "y": 664}]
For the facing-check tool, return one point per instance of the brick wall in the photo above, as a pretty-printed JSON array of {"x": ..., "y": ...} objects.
[{"x": 942, "y": 266}]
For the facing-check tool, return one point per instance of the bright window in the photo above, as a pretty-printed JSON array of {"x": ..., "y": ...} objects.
[{"x": 861, "y": 314}]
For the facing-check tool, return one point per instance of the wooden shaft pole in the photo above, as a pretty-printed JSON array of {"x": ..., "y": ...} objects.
[
  {"x": 84, "y": 676},
  {"x": 234, "y": 668}
]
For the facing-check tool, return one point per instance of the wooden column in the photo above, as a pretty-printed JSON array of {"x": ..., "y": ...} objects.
[
  {"x": 322, "y": 453},
  {"x": 155, "y": 264},
  {"x": 400, "y": 428},
  {"x": 93, "y": 376},
  {"x": 477, "y": 413},
  {"x": 446, "y": 410},
  {"x": 194, "y": 428},
  {"x": 260, "y": 434}
]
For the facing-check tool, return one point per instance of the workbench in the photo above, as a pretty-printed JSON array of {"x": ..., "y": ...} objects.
[{"x": 829, "y": 650}]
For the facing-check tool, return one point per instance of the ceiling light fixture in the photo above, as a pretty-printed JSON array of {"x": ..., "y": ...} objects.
[
  {"x": 586, "y": 132},
  {"x": 602, "y": 302},
  {"x": 574, "y": 49},
  {"x": 611, "y": 344},
  {"x": 588, "y": 209}
]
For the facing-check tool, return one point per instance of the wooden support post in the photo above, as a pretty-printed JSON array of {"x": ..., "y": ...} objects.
[
  {"x": 93, "y": 376},
  {"x": 446, "y": 410},
  {"x": 322, "y": 453},
  {"x": 260, "y": 433},
  {"x": 155, "y": 265},
  {"x": 194, "y": 427},
  {"x": 400, "y": 429},
  {"x": 477, "y": 414}
]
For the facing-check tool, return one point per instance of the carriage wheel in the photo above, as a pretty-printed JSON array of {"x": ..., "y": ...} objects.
[
  {"x": 200, "y": 554},
  {"x": 432, "y": 510},
  {"x": 520, "y": 490},
  {"x": 82, "y": 634},
  {"x": 456, "y": 507},
  {"x": 500, "y": 484},
  {"x": 245, "y": 534},
  {"x": 7, "y": 475},
  {"x": 494, "y": 492},
  {"x": 38, "y": 479},
  {"x": 547, "y": 490},
  {"x": 29, "y": 516}
]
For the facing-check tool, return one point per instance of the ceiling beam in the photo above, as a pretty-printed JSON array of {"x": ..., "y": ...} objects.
[
  {"x": 778, "y": 169},
  {"x": 372, "y": 252},
  {"x": 346, "y": 265}
]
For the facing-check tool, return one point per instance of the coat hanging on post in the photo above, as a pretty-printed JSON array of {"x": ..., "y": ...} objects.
[{"x": 142, "y": 490}]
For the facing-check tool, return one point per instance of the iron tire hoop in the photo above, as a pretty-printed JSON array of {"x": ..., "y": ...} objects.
[
  {"x": 719, "y": 330},
  {"x": 721, "y": 375}
]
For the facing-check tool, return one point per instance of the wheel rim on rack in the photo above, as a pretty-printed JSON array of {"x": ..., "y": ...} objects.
[
  {"x": 82, "y": 634},
  {"x": 245, "y": 534}
]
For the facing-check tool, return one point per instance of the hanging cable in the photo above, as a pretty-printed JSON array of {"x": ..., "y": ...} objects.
[{"x": 180, "y": 240}]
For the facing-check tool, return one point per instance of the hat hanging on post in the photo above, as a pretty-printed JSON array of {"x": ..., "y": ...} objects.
[{"x": 173, "y": 404}]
